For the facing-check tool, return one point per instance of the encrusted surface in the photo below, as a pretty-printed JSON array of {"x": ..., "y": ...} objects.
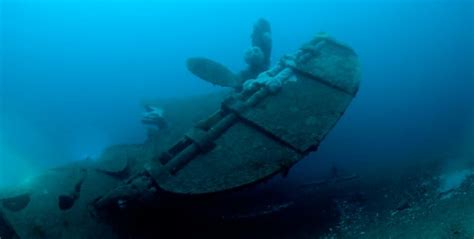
[
  {"x": 301, "y": 114},
  {"x": 242, "y": 156},
  {"x": 333, "y": 63}
]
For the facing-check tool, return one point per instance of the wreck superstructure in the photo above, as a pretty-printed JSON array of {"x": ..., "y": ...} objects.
[
  {"x": 275, "y": 121},
  {"x": 237, "y": 139}
]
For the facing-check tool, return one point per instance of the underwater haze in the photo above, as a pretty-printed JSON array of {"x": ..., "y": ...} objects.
[{"x": 75, "y": 73}]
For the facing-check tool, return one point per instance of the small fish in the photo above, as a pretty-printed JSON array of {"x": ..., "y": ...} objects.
[{"x": 213, "y": 72}]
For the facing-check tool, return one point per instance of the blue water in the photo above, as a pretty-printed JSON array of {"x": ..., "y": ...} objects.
[{"x": 74, "y": 72}]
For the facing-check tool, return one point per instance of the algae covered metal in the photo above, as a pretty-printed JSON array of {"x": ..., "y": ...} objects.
[{"x": 276, "y": 120}]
